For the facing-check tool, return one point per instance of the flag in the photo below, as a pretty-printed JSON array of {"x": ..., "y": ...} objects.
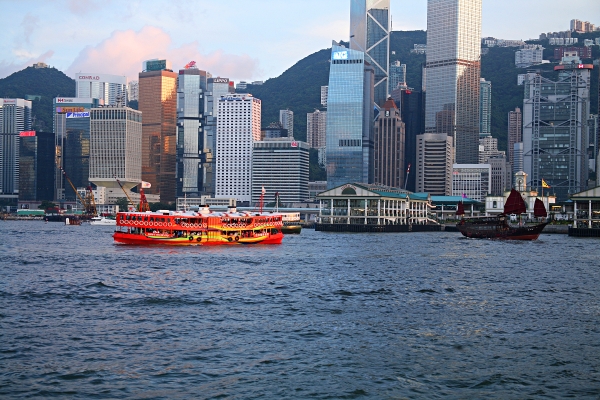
[{"x": 545, "y": 185}]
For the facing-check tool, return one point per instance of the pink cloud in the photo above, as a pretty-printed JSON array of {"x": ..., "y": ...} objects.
[{"x": 124, "y": 51}]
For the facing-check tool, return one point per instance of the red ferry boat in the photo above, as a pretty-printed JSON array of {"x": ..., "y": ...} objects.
[{"x": 198, "y": 228}]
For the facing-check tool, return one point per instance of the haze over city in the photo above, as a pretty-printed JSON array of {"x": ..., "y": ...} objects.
[{"x": 243, "y": 40}]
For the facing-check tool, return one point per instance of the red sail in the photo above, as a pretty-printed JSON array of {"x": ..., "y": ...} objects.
[
  {"x": 539, "y": 210},
  {"x": 460, "y": 209},
  {"x": 514, "y": 203}
]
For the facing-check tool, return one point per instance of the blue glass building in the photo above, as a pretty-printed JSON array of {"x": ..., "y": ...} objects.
[{"x": 349, "y": 118}]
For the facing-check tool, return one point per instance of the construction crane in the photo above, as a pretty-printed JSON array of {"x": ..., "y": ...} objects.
[
  {"x": 88, "y": 205},
  {"x": 124, "y": 191}
]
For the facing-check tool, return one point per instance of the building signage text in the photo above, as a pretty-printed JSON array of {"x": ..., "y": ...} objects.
[{"x": 78, "y": 114}]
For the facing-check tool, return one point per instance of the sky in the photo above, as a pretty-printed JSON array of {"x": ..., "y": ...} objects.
[{"x": 238, "y": 39}]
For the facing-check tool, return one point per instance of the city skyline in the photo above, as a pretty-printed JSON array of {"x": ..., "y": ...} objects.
[{"x": 115, "y": 37}]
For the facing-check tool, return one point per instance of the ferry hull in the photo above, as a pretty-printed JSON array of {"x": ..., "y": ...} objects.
[{"x": 194, "y": 240}]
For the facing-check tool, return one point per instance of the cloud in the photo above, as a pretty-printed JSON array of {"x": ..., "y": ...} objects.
[
  {"x": 82, "y": 7},
  {"x": 30, "y": 23},
  {"x": 124, "y": 51},
  {"x": 7, "y": 69}
]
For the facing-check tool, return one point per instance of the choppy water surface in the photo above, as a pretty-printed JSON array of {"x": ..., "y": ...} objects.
[{"x": 323, "y": 315}]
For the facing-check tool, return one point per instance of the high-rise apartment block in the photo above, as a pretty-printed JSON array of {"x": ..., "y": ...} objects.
[
  {"x": 316, "y": 126},
  {"x": 324, "y": 91},
  {"x": 349, "y": 154},
  {"x": 582, "y": 26},
  {"x": 370, "y": 33},
  {"x": 195, "y": 153},
  {"x": 471, "y": 180},
  {"x": 397, "y": 76},
  {"x": 434, "y": 164},
  {"x": 15, "y": 117},
  {"x": 280, "y": 166},
  {"x": 453, "y": 74},
  {"x": 36, "y": 166},
  {"x": 238, "y": 127},
  {"x": 485, "y": 108},
  {"x": 488, "y": 147},
  {"x": 286, "y": 118},
  {"x": 389, "y": 147},
  {"x": 412, "y": 111},
  {"x": 158, "y": 104},
  {"x": 555, "y": 129},
  {"x": 530, "y": 54},
  {"x": 115, "y": 148},
  {"x": 515, "y": 133},
  {"x": 72, "y": 136},
  {"x": 109, "y": 89}
]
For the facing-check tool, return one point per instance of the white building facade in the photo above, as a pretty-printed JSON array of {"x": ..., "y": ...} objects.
[
  {"x": 286, "y": 118},
  {"x": 316, "y": 127},
  {"x": 471, "y": 180},
  {"x": 238, "y": 127},
  {"x": 434, "y": 164},
  {"x": 109, "y": 88}
]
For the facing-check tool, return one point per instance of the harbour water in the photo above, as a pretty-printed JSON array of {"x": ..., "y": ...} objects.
[{"x": 324, "y": 315}]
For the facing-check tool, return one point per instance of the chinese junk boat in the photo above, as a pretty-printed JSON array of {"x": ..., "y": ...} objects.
[
  {"x": 202, "y": 228},
  {"x": 498, "y": 227}
]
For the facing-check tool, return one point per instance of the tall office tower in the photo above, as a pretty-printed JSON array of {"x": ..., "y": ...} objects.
[
  {"x": 433, "y": 168},
  {"x": 500, "y": 180},
  {"x": 349, "y": 137},
  {"x": 115, "y": 148},
  {"x": 15, "y": 117},
  {"x": 286, "y": 118},
  {"x": 36, "y": 166},
  {"x": 324, "y": 91},
  {"x": 158, "y": 104},
  {"x": 238, "y": 127},
  {"x": 598, "y": 136},
  {"x": 485, "y": 108},
  {"x": 72, "y": 139},
  {"x": 194, "y": 152},
  {"x": 453, "y": 74},
  {"x": 515, "y": 133},
  {"x": 517, "y": 157},
  {"x": 111, "y": 89},
  {"x": 488, "y": 147},
  {"x": 555, "y": 129},
  {"x": 389, "y": 147},
  {"x": 133, "y": 91},
  {"x": 412, "y": 111},
  {"x": 216, "y": 87},
  {"x": 370, "y": 34},
  {"x": 316, "y": 126},
  {"x": 280, "y": 166},
  {"x": 397, "y": 76},
  {"x": 471, "y": 180}
]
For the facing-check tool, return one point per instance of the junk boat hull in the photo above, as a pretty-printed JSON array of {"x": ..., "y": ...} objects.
[
  {"x": 498, "y": 228},
  {"x": 193, "y": 229}
]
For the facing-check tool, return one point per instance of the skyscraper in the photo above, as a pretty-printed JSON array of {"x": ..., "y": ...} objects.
[
  {"x": 412, "y": 111},
  {"x": 515, "y": 135},
  {"x": 485, "y": 108},
  {"x": 389, "y": 147},
  {"x": 370, "y": 34},
  {"x": 349, "y": 134},
  {"x": 72, "y": 136},
  {"x": 115, "y": 147},
  {"x": 238, "y": 127},
  {"x": 397, "y": 76},
  {"x": 453, "y": 74},
  {"x": 316, "y": 125},
  {"x": 15, "y": 117},
  {"x": 286, "y": 118},
  {"x": 110, "y": 89},
  {"x": 434, "y": 164},
  {"x": 36, "y": 166},
  {"x": 158, "y": 104},
  {"x": 555, "y": 129},
  {"x": 194, "y": 152}
]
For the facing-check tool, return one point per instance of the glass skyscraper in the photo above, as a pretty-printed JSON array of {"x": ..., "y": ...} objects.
[
  {"x": 194, "y": 152},
  {"x": 453, "y": 74},
  {"x": 15, "y": 117},
  {"x": 370, "y": 33},
  {"x": 349, "y": 118}
]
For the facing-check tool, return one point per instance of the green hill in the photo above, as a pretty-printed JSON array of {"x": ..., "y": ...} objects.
[{"x": 47, "y": 83}]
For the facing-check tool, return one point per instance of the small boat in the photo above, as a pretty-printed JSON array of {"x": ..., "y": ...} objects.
[
  {"x": 101, "y": 220},
  {"x": 291, "y": 223},
  {"x": 498, "y": 227},
  {"x": 198, "y": 228},
  {"x": 72, "y": 221}
]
